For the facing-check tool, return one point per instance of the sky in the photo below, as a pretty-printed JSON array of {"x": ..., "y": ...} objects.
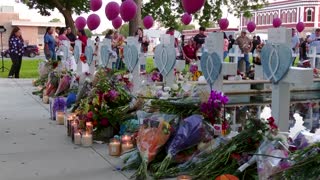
[{"x": 33, "y": 15}]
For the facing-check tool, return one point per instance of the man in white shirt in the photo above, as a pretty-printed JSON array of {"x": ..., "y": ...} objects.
[{"x": 315, "y": 42}]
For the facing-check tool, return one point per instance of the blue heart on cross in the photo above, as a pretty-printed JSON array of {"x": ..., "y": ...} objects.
[
  {"x": 105, "y": 55},
  {"x": 131, "y": 56},
  {"x": 89, "y": 54},
  {"x": 276, "y": 61},
  {"x": 211, "y": 66},
  {"x": 165, "y": 58}
]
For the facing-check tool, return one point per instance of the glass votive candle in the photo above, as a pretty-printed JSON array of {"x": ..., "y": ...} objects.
[
  {"x": 77, "y": 138},
  {"x": 74, "y": 129},
  {"x": 126, "y": 146},
  {"x": 184, "y": 177},
  {"x": 45, "y": 99},
  {"x": 89, "y": 127},
  {"x": 86, "y": 139},
  {"x": 126, "y": 138},
  {"x": 114, "y": 147},
  {"x": 60, "y": 117}
]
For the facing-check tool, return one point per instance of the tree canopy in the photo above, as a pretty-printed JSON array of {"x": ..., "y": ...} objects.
[
  {"x": 168, "y": 12},
  {"x": 65, "y": 7},
  {"x": 55, "y": 20}
]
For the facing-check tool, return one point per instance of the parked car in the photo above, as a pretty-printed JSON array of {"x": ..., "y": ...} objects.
[{"x": 29, "y": 51}]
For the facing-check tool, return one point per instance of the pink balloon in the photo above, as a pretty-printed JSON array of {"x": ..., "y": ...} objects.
[
  {"x": 80, "y": 23},
  {"x": 300, "y": 26},
  {"x": 93, "y": 22},
  {"x": 251, "y": 26},
  {"x": 223, "y": 23},
  {"x": 128, "y": 10},
  {"x": 95, "y": 5},
  {"x": 192, "y": 6},
  {"x": 148, "y": 22},
  {"x": 276, "y": 22},
  {"x": 186, "y": 18},
  {"x": 117, "y": 22},
  {"x": 112, "y": 10}
]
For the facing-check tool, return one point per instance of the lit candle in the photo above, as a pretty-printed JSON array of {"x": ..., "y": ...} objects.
[
  {"x": 184, "y": 177},
  {"x": 45, "y": 99},
  {"x": 70, "y": 119},
  {"x": 74, "y": 128},
  {"x": 77, "y": 138},
  {"x": 127, "y": 146},
  {"x": 114, "y": 148},
  {"x": 125, "y": 139},
  {"x": 34, "y": 82},
  {"x": 89, "y": 127},
  {"x": 86, "y": 140},
  {"x": 60, "y": 117}
]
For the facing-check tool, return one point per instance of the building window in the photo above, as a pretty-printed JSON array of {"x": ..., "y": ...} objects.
[
  {"x": 263, "y": 20},
  {"x": 294, "y": 16},
  {"x": 309, "y": 15},
  {"x": 289, "y": 17},
  {"x": 259, "y": 20}
]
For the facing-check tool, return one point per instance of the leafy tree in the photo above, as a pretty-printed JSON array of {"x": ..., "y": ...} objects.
[
  {"x": 88, "y": 33},
  {"x": 169, "y": 11},
  {"x": 55, "y": 20},
  {"x": 65, "y": 7},
  {"x": 182, "y": 27},
  {"x": 124, "y": 30}
]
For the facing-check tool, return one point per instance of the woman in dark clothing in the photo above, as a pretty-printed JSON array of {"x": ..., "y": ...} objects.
[{"x": 16, "y": 49}]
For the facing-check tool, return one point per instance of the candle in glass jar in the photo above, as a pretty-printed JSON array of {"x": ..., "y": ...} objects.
[
  {"x": 126, "y": 146},
  {"x": 184, "y": 177},
  {"x": 60, "y": 117},
  {"x": 77, "y": 138},
  {"x": 74, "y": 129},
  {"x": 115, "y": 148},
  {"x": 125, "y": 139},
  {"x": 86, "y": 140},
  {"x": 34, "y": 82},
  {"x": 89, "y": 127},
  {"x": 45, "y": 99}
]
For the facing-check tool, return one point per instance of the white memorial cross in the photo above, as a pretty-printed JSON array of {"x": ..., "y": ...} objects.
[
  {"x": 313, "y": 55},
  {"x": 302, "y": 77},
  {"x": 92, "y": 66},
  {"x": 136, "y": 71},
  {"x": 214, "y": 43},
  {"x": 77, "y": 53},
  {"x": 106, "y": 42}
]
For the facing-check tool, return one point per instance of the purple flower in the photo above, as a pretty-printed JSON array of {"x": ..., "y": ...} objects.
[
  {"x": 111, "y": 95},
  {"x": 193, "y": 68}
]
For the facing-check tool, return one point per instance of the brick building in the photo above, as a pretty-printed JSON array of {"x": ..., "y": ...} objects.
[
  {"x": 290, "y": 11},
  {"x": 32, "y": 32}
]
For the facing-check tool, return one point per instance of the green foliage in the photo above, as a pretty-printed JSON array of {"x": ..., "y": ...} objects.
[
  {"x": 182, "y": 27},
  {"x": 55, "y": 20},
  {"x": 169, "y": 11},
  {"x": 88, "y": 33},
  {"x": 45, "y": 6},
  {"x": 124, "y": 30}
]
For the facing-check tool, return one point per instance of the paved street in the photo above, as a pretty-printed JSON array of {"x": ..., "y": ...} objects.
[{"x": 32, "y": 147}]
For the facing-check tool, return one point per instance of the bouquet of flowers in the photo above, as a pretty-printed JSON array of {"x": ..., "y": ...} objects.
[
  {"x": 64, "y": 84},
  {"x": 195, "y": 72},
  {"x": 52, "y": 84},
  {"x": 212, "y": 110},
  {"x": 189, "y": 134},
  {"x": 151, "y": 137}
]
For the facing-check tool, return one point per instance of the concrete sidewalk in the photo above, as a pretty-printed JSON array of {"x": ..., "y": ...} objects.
[{"x": 32, "y": 147}]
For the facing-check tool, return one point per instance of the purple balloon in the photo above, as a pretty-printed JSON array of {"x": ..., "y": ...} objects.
[
  {"x": 300, "y": 26},
  {"x": 80, "y": 23},
  {"x": 223, "y": 23},
  {"x": 192, "y": 6},
  {"x": 95, "y": 5},
  {"x": 93, "y": 22},
  {"x": 112, "y": 10},
  {"x": 148, "y": 22},
  {"x": 117, "y": 22},
  {"x": 276, "y": 22},
  {"x": 251, "y": 26},
  {"x": 186, "y": 18},
  {"x": 128, "y": 10}
]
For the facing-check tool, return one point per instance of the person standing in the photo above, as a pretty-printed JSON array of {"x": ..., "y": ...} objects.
[
  {"x": 190, "y": 52},
  {"x": 295, "y": 42},
  {"x": 63, "y": 35},
  {"x": 225, "y": 45},
  {"x": 16, "y": 50},
  {"x": 245, "y": 45},
  {"x": 50, "y": 44},
  {"x": 71, "y": 37},
  {"x": 143, "y": 40},
  {"x": 256, "y": 41},
  {"x": 304, "y": 49},
  {"x": 200, "y": 37},
  {"x": 231, "y": 41},
  {"x": 83, "y": 38}
]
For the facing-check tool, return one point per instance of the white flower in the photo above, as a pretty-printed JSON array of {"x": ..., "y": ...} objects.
[
  {"x": 174, "y": 87},
  {"x": 260, "y": 131}
]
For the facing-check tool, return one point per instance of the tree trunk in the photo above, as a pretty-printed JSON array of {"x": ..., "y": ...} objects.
[
  {"x": 136, "y": 22},
  {"x": 67, "y": 14}
]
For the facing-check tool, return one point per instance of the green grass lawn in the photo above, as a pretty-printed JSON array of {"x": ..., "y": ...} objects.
[{"x": 29, "y": 68}]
